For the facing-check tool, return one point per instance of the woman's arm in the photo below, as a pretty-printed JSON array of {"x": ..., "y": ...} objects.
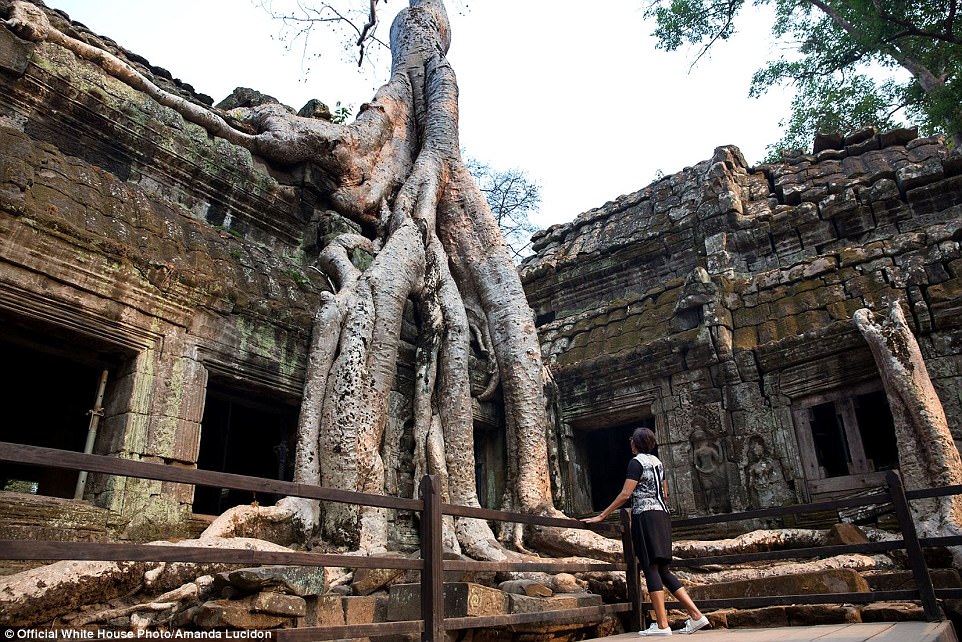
[{"x": 622, "y": 497}]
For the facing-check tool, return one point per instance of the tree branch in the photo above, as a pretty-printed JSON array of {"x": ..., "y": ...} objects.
[
  {"x": 910, "y": 29},
  {"x": 926, "y": 78},
  {"x": 720, "y": 34}
]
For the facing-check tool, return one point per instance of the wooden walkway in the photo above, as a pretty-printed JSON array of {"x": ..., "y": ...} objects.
[{"x": 868, "y": 632}]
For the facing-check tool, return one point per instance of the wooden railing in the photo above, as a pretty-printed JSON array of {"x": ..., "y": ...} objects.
[
  {"x": 433, "y": 624},
  {"x": 891, "y": 495}
]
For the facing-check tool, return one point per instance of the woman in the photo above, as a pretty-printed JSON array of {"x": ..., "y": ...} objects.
[{"x": 651, "y": 533}]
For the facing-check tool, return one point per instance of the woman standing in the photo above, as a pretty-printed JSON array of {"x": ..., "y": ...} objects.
[{"x": 651, "y": 533}]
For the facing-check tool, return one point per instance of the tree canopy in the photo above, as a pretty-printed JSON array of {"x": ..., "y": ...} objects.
[{"x": 854, "y": 63}]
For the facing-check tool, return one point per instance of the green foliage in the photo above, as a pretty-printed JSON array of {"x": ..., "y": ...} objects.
[
  {"x": 853, "y": 63},
  {"x": 229, "y": 230}
]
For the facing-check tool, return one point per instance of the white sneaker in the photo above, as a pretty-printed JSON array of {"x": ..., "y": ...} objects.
[
  {"x": 694, "y": 625},
  {"x": 653, "y": 630}
]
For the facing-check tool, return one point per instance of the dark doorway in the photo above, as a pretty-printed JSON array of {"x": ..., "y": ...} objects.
[
  {"x": 48, "y": 386},
  {"x": 490, "y": 464},
  {"x": 831, "y": 447},
  {"x": 246, "y": 433},
  {"x": 848, "y": 435},
  {"x": 877, "y": 428},
  {"x": 609, "y": 451}
]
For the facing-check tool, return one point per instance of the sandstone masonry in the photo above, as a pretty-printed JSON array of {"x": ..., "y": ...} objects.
[{"x": 715, "y": 306}]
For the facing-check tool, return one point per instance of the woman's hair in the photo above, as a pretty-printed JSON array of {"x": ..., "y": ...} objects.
[{"x": 643, "y": 440}]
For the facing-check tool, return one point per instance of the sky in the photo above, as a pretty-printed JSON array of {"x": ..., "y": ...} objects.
[{"x": 580, "y": 100}]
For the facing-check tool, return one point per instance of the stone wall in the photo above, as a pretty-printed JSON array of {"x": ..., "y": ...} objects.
[
  {"x": 716, "y": 305},
  {"x": 136, "y": 237},
  {"x": 133, "y": 241}
]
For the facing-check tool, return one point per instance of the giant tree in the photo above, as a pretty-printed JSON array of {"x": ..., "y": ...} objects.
[
  {"x": 847, "y": 59},
  {"x": 397, "y": 172}
]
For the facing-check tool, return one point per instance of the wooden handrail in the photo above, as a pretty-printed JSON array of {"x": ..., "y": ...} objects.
[
  {"x": 70, "y": 460},
  {"x": 433, "y": 624}
]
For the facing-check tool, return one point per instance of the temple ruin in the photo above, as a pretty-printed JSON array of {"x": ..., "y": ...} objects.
[{"x": 714, "y": 306}]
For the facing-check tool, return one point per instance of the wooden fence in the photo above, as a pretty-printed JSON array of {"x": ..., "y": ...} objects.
[{"x": 433, "y": 624}]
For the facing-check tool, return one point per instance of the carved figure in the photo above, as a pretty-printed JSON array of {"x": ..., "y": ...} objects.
[
  {"x": 708, "y": 460},
  {"x": 764, "y": 475}
]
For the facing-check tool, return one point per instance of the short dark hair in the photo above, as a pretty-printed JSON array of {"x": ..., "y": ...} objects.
[{"x": 643, "y": 440}]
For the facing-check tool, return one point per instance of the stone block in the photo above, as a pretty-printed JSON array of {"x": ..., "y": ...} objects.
[
  {"x": 815, "y": 234},
  {"x": 828, "y": 581},
  {"x": 743, "y": 317},
  {"x": 368, "y": 580},
  {"x": 461, "y": 599},
  {"x": 917, "y": 174},
  {"x": 855, "y": 222},
  {"x": 279, "y": 604},
  {"x": 836, "y": 204},
  {"x": 818, "y": 614},
  {"x": 901, "y": 136},
  {"x": 15, "y": 53},
  {"x": 745, "y": 338},
  {"x": 323, "y": 610},
  {"x": 525, "y": 604},
  {"x": 862, "y": 147},
  {"x": 859, "y": 136},
  {"x": 295, "y": 580},
  {"x": 827, "y": 142},
  {"x": 905, "y": 580},
  {"x": 530, "y": 588},
  {"x": 364, "y": 609},
  {"x": 843, "y": 534},
  {"x": 235, "y": 614},
  {"x": 937, "y": 199},
  {"x": 893, "y": 612},
  {"x": 771, "y": 616}
]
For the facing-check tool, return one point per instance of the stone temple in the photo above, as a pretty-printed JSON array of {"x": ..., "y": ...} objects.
[{"x": 714, "y": 306}]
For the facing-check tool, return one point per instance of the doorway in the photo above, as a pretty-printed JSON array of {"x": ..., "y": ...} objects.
[
  {"x": 245, "y": 433},
  {"x": 608, "y": 452},
  {"x": 845, "y": 439}
]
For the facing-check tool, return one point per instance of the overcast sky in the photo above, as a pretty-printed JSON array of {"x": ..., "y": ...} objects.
[{"x": 578, "y": 98}]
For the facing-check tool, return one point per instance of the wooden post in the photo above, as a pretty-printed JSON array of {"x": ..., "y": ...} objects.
[
  {"x": 920, "y": 570},
  {"x": 637, "y": 616},
  {"x": 95, "y": 414},
  {"x": 432, "y": 575}
]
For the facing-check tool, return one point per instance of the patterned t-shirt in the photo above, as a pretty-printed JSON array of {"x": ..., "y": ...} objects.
[{"x": 649, "y": 472}]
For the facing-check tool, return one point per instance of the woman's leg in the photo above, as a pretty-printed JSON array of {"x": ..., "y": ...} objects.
[
  {"x": 685, "y": 600},
  {"x": 658, "y": 603},
  {"x": 678, "y": 590},
  {"x": 656, "y": 591}
]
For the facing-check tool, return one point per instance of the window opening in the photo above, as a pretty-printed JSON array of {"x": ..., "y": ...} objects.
[
  {"x": 845, "y": 435},
  {"x": 877, "y": 429},
  {"x": 48, "y": 390}
]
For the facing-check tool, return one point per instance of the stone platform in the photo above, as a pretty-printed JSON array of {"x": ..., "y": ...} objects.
[{"x": 862, "y": 632}]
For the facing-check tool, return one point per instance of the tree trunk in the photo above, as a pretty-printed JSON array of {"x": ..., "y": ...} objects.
[{"x": 928, "y": 455}]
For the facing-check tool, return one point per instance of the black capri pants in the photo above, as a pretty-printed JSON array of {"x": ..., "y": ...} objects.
[{"x": 651, "y": 536}]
